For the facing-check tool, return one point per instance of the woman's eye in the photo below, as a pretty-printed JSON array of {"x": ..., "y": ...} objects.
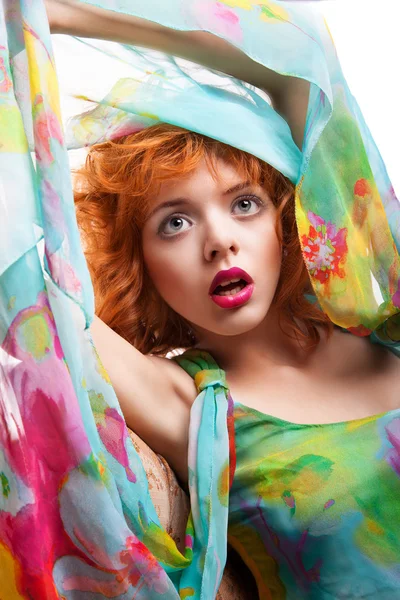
[
  {"x": 247, "y": 206},
  {"x": 174, "y": 225}
]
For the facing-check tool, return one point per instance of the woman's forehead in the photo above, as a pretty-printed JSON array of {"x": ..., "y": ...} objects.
[{"x": 220, "y": 176}]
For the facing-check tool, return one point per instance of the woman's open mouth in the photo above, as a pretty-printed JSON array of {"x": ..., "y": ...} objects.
[{"x": 231, "y": 288}]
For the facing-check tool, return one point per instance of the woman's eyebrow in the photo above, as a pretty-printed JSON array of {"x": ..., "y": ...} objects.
[
  {"x": 169, "y": 204},
  {"x": 237, "y": 187}
]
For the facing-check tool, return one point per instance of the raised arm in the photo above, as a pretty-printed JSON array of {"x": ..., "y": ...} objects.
[
  {"x": 289, "y": 95},
  {"x": 154, "y": 393}
]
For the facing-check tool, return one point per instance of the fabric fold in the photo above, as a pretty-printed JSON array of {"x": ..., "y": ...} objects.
[
  {"x": 347, "y": 213},
  {"x": 208, "y": 445},
  {"x": 76, "y": 517}
]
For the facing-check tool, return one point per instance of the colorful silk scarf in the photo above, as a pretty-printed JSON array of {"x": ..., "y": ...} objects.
[{"x": 76, "y": 518}]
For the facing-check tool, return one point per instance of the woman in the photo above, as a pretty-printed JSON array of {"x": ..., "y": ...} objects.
[
  {"x": 212, "y": 253},
  {"x": 212, "y": 217},
  {"x": 301, "y": 512}
]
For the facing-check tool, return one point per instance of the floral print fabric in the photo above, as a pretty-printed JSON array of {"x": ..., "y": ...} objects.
[
  {"x": 313, "y": 509},
  {"x": 348, "y": 216},
  {"x": 76, "y": 518}
]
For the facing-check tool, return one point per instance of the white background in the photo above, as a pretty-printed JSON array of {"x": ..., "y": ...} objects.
[{"x": 366, "y": 34}]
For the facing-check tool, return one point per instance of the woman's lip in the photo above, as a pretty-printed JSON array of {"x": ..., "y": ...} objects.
[
  {"x": 233, "y": 273},
  {"x": 234, "y": 301}
]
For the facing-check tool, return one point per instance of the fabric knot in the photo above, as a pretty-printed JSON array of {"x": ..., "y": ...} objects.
[{"x": 210, "y": 378}]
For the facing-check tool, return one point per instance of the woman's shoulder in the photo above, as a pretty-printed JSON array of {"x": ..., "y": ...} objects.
[{"x": 353, "y": 354}]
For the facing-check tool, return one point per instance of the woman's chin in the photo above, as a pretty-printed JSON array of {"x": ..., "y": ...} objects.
[{"x": 234, "y": 322}]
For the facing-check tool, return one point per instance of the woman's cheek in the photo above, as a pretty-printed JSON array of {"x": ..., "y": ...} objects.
[{"x": 171, "y": 277}]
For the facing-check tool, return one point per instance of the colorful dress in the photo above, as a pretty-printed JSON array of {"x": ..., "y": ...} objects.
[{"x": 314, "y": 510}]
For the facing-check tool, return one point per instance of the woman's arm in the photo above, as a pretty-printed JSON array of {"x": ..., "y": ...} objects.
[
  {"x": 289, "y": 95},
  {"x": 155, "y": 395}
]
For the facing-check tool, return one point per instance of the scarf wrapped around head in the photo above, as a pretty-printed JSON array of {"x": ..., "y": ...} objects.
[
  {"x": 348, "y": 217},
  {"x": 76, "y": 518}
]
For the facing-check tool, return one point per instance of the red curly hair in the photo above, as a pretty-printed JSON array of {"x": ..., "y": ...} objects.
[{"x": 112, "y": 196}]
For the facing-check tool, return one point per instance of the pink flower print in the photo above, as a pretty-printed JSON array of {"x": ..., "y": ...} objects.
[
  {"x": 393, "y": 435},
  {"x": 145, "y": 566},
  {"x": 219, "y": 19},
  {"x": 396, "y": 295},
  {"x": 114, "y": 435},
  {"x": 46, "y": 127},
  {"x": 63, "y": 273},
  {"x": 50, "y": 444},
  {"x": 324, "y": 248},
  {"x": 5, "y": 82},
  {"x": 189, "y": 541}
]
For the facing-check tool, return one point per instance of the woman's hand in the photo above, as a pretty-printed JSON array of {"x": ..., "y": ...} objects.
[{"x": 289, "y": 95}]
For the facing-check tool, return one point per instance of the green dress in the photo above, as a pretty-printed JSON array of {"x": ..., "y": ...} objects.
[{"x": 314, "y": 510}]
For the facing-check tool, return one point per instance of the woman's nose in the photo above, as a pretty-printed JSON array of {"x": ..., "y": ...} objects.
[{"x": 220, "y": 244}]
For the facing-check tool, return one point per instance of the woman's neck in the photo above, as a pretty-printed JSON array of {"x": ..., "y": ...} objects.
[{"x": 264, "y": 347}]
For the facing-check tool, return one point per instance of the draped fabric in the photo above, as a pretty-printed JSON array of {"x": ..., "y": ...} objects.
[
  {"x": 76, "y": 518},
  {"x": 313, "y": 508},
  {"x": 348, "y": 217}
]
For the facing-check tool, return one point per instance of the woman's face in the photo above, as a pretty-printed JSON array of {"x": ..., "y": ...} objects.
[{"x": 201, "y": 225}]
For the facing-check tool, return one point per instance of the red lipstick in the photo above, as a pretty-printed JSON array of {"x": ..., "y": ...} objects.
[{"x": 223, "y": 279}]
